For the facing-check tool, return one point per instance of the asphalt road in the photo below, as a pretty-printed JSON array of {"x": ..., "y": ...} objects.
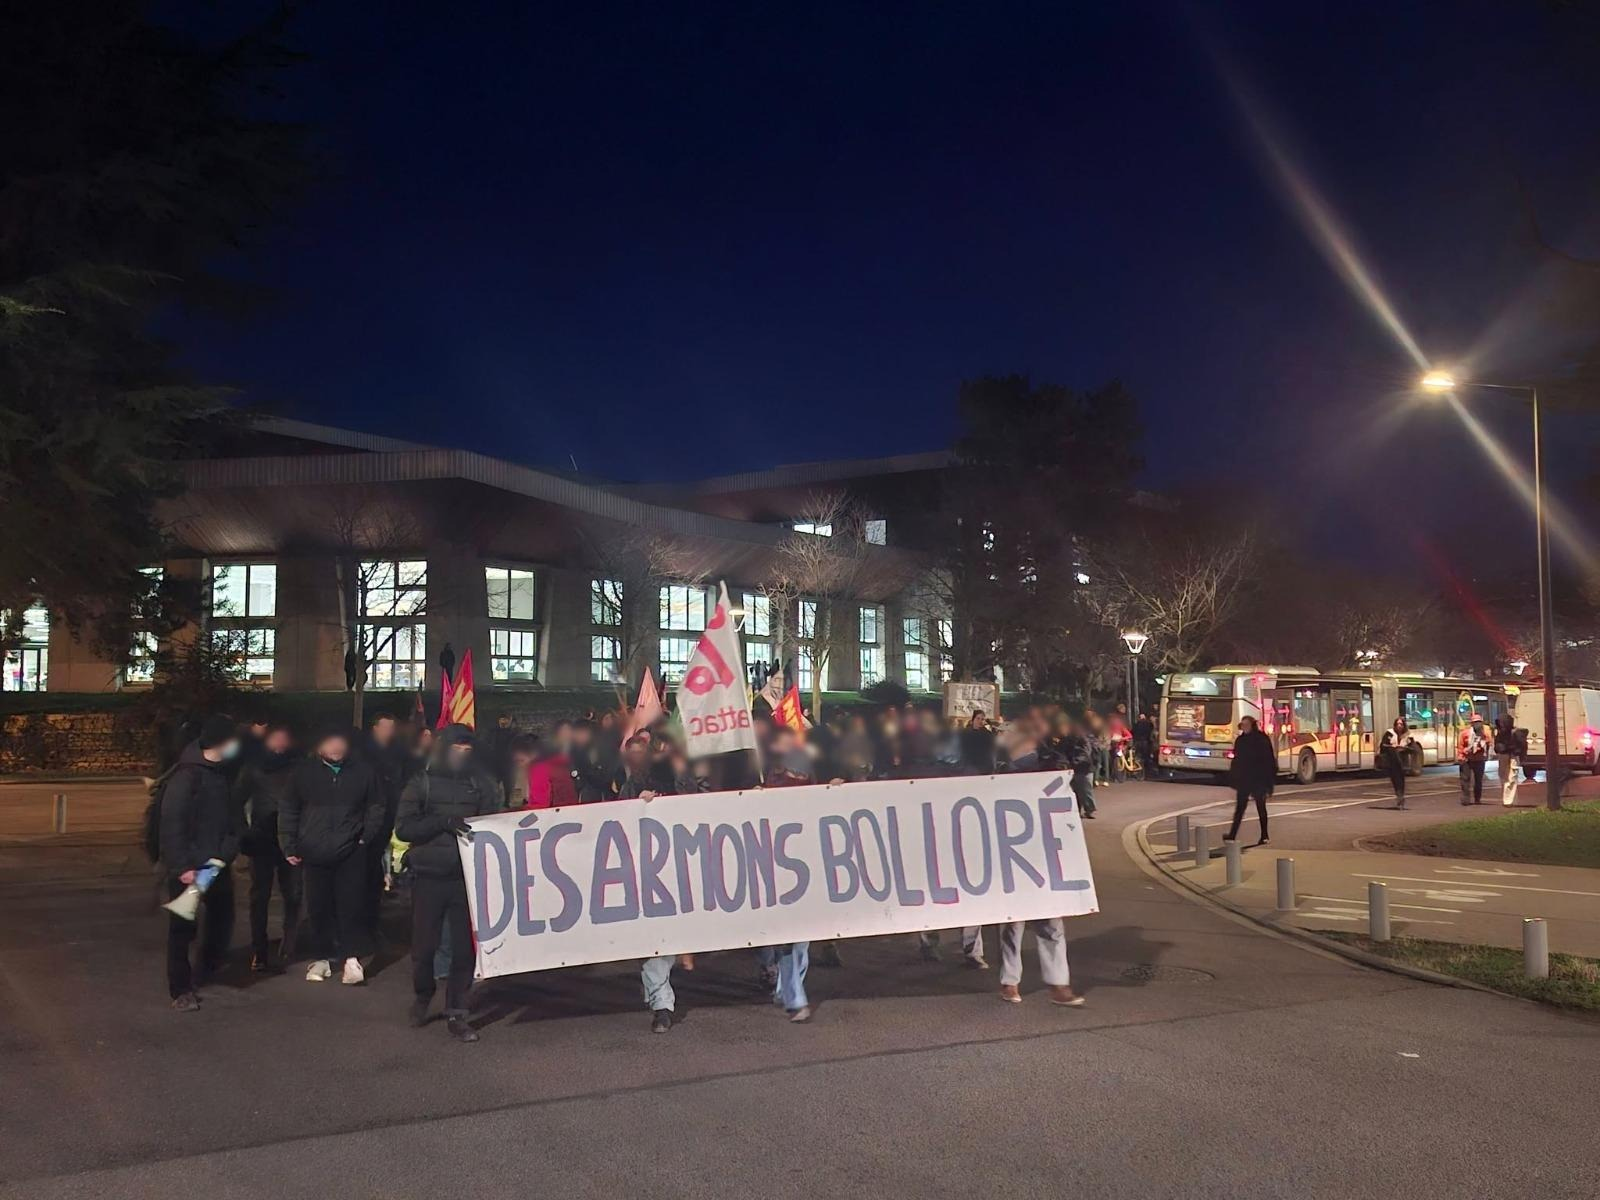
[{"x": 1255, "y": 1067}]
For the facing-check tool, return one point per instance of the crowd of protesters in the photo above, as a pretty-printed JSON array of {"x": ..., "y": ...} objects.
[{"x": 336, "y": 822}]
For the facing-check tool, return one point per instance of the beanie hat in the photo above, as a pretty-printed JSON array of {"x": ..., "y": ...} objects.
[{"x": 215, "y": 730}]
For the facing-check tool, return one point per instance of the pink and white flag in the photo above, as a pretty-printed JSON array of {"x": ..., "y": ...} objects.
[
  {"x": 713, "y": 701},
  {"x": 647, "y": 711}
]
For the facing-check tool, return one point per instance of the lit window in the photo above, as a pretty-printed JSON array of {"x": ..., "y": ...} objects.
[
  {"x": 391, "y": 588},
  {"x": 757, "y": 615},
  {"x": 757, "y": 658},
  {"x": 947, "y": 641},
  {"x": 605, "y": 602},
  {"x": 872, "y": 654},
  {"x": 397, "y": 655},
  {"x": 806, "y": 669},
  {"x": 807, "y": 624},
  {"x": 511, "y": 593},
  {"x": 246, "y": 590},
  {"x": 27, "y": 665},
  {"x": 820, "y": 528},
  {"x": 605, "y": 657},
  {"x": 141, "y": 666},
  {"x": 675, "y": 653},
  {"x": 911, "y": 632},
  {"x": 871, "y": 619},
  {"x": 871, "y": 665},
  {"x": 683, "y": 606},
  {"x": 514, "y": 655},
  {"x": 876, "y": 532},
  {"x": 252, "y": 649}
]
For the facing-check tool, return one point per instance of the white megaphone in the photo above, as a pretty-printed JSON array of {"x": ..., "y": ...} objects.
[{"x": 187, "y": 902}]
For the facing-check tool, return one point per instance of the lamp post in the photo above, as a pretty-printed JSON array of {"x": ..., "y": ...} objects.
[
  {"x": 1135, "y": 642},
  {"x": 1442, "y": 382}
]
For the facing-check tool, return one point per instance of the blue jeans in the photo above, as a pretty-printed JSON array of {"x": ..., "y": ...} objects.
[
  {"x": 656, "y": 976},
  {"x": 793, "y": 960}
]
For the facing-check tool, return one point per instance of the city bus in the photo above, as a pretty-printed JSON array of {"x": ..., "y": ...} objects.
[{"x": 1320, "y": 724}]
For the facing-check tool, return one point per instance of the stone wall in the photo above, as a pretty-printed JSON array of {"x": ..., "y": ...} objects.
[{"x": 93, "y": 743}]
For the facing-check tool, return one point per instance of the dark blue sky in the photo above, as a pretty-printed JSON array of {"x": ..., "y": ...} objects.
[{"x": 590, "y": 229}]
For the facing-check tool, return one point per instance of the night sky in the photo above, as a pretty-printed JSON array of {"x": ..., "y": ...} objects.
[{"x": 677, "y": 239}]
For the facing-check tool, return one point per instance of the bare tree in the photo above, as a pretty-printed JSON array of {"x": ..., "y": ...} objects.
[
  {"x": 1182, "y": 591},
  {"x": 823, "y": 563},
  {"x": 380, "y": 578},
  {"x": 632, "y": 565}
]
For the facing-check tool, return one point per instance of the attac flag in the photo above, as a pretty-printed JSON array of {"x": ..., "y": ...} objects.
[
  {"x": 463, "y": 702},
  {"x": 713, "y": 701},
  {"x": 647, "y": 711},
  {"x": 788, "y": 711}
]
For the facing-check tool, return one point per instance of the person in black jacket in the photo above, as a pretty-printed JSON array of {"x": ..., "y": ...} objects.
[
  {"x": 258, "y": 794},
  {"x": 199, "y": 823},
  {"x": 434, "y": 810},
  {"x": 1253, "y": 774},
  {"x": 384, "y": 754},
  {"x": 331, "y": 811}
]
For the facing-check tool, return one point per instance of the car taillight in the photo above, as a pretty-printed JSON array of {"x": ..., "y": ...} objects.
[
  {"x": 1229, "y": 754},
  {"x": 1586, "y": 739}
]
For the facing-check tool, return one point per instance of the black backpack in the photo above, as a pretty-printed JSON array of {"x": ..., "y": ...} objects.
[{"x": 151, "y": 838}]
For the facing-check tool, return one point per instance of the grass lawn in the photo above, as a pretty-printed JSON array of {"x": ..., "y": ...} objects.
[
  {"x": 1574, "y": 982},
  {"x": 1569, "y": 838}
]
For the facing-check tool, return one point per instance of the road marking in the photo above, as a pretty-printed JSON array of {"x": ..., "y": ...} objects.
[
  {"x": 1350, "y": 900},
  {"x": 1496, "y": 872},
  {"x": 1359, "y": 914},
  {"x": 1515, "y": 887}
]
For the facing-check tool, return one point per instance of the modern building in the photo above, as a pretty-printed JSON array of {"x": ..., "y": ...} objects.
[{"x": 321, "y": 552}]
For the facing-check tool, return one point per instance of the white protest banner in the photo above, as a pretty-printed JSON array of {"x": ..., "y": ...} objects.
[
  {"x": 678, "y": 874},
  {"x": 963, "y": 699},
  {"x": 713, "y": 701}
]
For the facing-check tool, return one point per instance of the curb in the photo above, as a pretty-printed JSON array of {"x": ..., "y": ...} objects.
[{"x": 1294, "y": 932}]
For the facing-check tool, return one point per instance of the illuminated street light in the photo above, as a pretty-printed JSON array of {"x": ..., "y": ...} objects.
[
  {"x": 1441, "y": 382},
  {"x": 1517, "y": 666},
  {"x": 1135, "y": 641}
]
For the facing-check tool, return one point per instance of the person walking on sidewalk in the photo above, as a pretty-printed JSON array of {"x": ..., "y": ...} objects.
[
  {"x": 1253, "y": 774},
  {"x": 1472, "y": 755},
  {"x": 199, "y": 825},
  {"x": 258, "y": 793},
  {"x": 332, "y": 810},
  {"x": 1051, "y": 936},
  {"x": 434, "y": 810}
]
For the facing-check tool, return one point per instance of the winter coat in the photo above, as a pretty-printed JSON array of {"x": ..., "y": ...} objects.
[
  {"x": 199, "y": 819},
  {"x": 1254, "y": 769},
  {"x": 431, "y": 802},
  {"x": 326, "y": 814},
  {"x": 389, "y": 765},
  {"x": 258, "y": 795}
]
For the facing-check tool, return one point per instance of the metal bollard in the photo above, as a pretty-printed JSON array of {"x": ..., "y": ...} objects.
[
  {"x": 58, "y": 815},
  {"x": 1535, "y": 948},
  {"x": 1378, "y": 912},
  {"x": 1202, "y": 845},
  {"x": 1235, "y": 858},
  {"x": 1286, "y": 900},
  {"x": 1183, "y": 833}
]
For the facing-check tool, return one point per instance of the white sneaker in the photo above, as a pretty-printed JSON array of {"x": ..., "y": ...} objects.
[
  {"x": 318, "y": 971},
  {"x": 353, "y": 974}
]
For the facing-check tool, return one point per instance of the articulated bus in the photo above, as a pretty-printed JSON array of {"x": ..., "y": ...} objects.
[{"x": 1319, "y": 723}]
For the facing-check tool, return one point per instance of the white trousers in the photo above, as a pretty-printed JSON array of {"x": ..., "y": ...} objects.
[{"x": 1051, "y": 937}]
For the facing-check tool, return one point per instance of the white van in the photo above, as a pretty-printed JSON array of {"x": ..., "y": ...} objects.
[{"x": 1578, "y": 715}]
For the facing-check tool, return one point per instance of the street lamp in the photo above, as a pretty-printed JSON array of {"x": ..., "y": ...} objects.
[
  {"x": 1440, "y": 383},
  {"x": 1135, "y": 642}
]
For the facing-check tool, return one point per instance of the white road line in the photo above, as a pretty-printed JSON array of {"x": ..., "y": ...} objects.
[
  {"x": 1422, "y": 907},
  {"x": 1513, "y": 887},
  {"x": 1494, "y": 874}
]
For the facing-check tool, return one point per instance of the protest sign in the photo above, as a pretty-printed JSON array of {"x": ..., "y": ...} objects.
[
  {"x": 962, "y": 699},
  {"x": 713, "y": 699},
  {"x": 634, "y": 878}
]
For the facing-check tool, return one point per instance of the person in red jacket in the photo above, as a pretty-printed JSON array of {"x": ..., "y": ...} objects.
[{"x": 550, "y": 782}]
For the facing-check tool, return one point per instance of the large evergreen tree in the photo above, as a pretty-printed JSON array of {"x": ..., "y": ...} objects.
[{"x": 133, "y": 159}]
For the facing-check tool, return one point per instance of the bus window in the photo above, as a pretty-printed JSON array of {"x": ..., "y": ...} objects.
[
  {"x": 1417, "y": 708},
  {"x": 1312, "y": 712},
  {"x": 1366, "y": 710}
]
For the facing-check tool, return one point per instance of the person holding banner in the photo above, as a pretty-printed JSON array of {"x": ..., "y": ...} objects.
[{"x": 434, "y": 810}]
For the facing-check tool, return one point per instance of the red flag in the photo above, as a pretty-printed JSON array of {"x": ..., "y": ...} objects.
[
  {"x": 444, "y": 701},
  {"x": 463, "y": 705},
  {"x": 647, "y": 711},
  {"x": 789, "y": 711}
]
